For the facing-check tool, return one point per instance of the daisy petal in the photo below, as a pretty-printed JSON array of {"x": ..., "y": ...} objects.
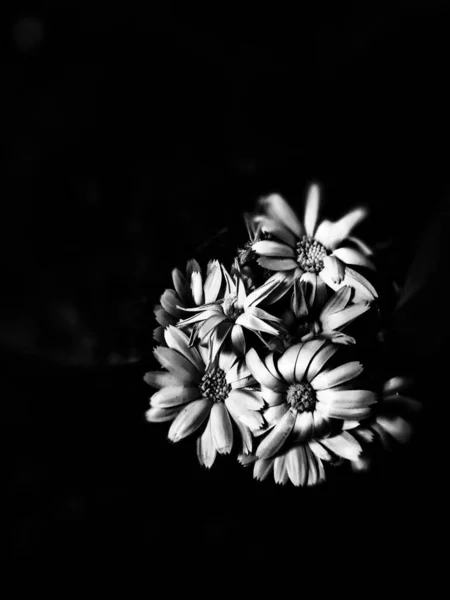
[
  {"x": 179, "y": 341},
  {"x": 213, "y": 281},
  {"x": 221, "y": 428},
  {"x": 333, "y": 270},
  {"x": 320, "y": 451},
  {"x": 341, "y": 374},
  {"x": 163, "y": 317},
  {"x": 252, "y": 419},
  {"x": 272, "y": 290},
  {"x": 170, "y": 301},
  {"x": 304, "y": 427},
  {"x": 269, "y": 361},
  {"x": 160, "y": 379},
  {"x": 249, "y": 321},
  {"x": 316, "y": 471},
  {"x": 197, "y": 288},
  {"x": 311, "y": 210},
  {"x": 211, "y": 323},
  {"x": 344, "y": 413},
  {"x": 350, "y": 256},
  {"x": 260, "y": 372},
  {"x": 245, "y": 399},
  {"x": 189, "y": 419},
  {"x": 305, "y": 357},
  {"x": 341, "y": 229},
  {"x": 278, "y": 209},
  {"x": 345, "y": 316},
  {"x": 277, "y": 436},
  {"x": 365, "y": 249},
  {"x": 158, "y": 335},
  {"x": 273, "y": 249},
  {"x": 246, "y": 437},
  {"x": 156, "y": 414},
  {"x": 217, "y": 339},
  {"x": 347, "y": 398},
  {"x": 238, "y": 375},
  {"x": 280, "y": 473},
  {"x": 338, "y": 301},
  {"x": 277, "y": 264},
  {"x": 297, "y": 465},
  {"x": 262, "y": 468},
  {"x": 206, "y": 452},
  {"x": 192, "y": 266},
  {"x": 282, "y": 233},
  {"x": 344, "y": 445},
  {"x": 287, "y": 361},
  {"x": 177, "y": 364},
  {"x": 323, "y": 232},
  {"x": 272, "y": 398},
  {"x": 180, "y": 285},
  {"x": 238, "y": 339},
  {"x": 174, "y": 396},
  {"x": 397, "y": 384},
  {"x": 320, "y": 359},
  {"x": 360, "y": 284},
  {"x": 275, "y": 412}
]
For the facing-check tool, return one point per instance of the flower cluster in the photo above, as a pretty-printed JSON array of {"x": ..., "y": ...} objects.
[{"x": 267, "y": 359}]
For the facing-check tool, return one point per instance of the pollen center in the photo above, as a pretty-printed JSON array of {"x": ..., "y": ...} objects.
[
  {"x": 310, "y": 254},
  {"x": 230, "y": 308},
  {"x": 301, "y": 396},
  {"x": 214, "y": 385}
]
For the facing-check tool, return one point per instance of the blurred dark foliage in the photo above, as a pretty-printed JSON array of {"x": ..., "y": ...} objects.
[{"x": 134, "y": 136}]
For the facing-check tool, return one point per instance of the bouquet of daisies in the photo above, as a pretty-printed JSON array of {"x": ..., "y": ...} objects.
[{"x": 267, "y": 359}]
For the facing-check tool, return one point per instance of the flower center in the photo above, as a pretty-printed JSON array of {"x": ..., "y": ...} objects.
[
  {"x": 214, "y": 385},
  {"x": 230, "y": 308},
  {"x": 310, "y": 254},
  {"x": 301, "y": 396}
]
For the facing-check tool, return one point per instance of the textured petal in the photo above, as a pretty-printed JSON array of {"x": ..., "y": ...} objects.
[
  {"x": 249, "y": 321},
  {"x": 273, "y": 249},
  {"x": 316, "y": 471},
  {"x": 197, "y": 288},
  {"x": 160, "y": 379},
  {"x": 206, "y": 451},
  {"x": 213, "y": 281},
  {"x": 180, "y": 285},
  {"x": 189, "y": 419},
  {"x": 338, "y": 301},
  {"x": 277, "y": 436},
  {"x": 338, "y": 375},
  {"x": 320, "y": 359},
  {"x": 263, "y": 467},
  {"x": 277, "y": 264},
  {"x": 280, "y": 473},
  {"x": 274, "y": 413},
  {"x": 344, "y": 317},
  {"x": 260, "y": 372},
  {"x": 272, "y": 398},
  {"x": 275, "y": 228},
  {"x": 312, "y": 209},
  {"x": 278, "y": 209},
  {"x": 177, "y": 364},
  {"x": 344, "y": 445},
  {"x": 350, "y": 256},
  {"x": 304, "y": 427},
  {"x": 245, "y": 399},
  {"x": 238, "y": 339},
  {"x": 179, "y": 341},
  {"x": 161, "y": 415},
  {"x": 347, "y": 398},
  {"x": 297, "y": 465},
  {"x": 174, "y": 396},
  {"x": 272, "y": 290},
  {"x": 221, "y": 428},
  {"x": 305, "y": 357},
  {"x": 341, "y": 229},
  {"x": 163, "y": 317},
  {"x": 170, "y": 302}
]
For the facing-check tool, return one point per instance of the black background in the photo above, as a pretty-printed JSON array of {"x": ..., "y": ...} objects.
[{"x": 134, "y": 137}]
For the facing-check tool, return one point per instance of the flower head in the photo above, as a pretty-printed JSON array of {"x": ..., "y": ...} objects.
[
  {"x": 323, "y": 251},
  {"x": 309, "y": 409},
  {"x": 229, "y": 315},
  {"x": 199, "y": 396}
]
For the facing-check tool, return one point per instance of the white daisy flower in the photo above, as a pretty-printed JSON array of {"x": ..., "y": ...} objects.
[
  {"x": 324, "y": 251},
  {"x": 202, "y": 398},
  {"x": 309, "y": 408}
]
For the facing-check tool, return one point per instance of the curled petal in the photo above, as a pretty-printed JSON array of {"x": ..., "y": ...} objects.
[
  {"x": 189, "y": 419},
  {"x": 341, "y": 229},
  {"x": 221, "y": 428},
  {"x": 305, "y": 357},
  {"x": 260, "y": 372},
  {"x": 320, "y": 359},
  {"x": 278, "y": 209},
  {"x": 238, "y": 339},
  {"x": 277, "y": 436},
  {"x": 338, "y": 301},
  {"x": 277, "y": 229}
]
